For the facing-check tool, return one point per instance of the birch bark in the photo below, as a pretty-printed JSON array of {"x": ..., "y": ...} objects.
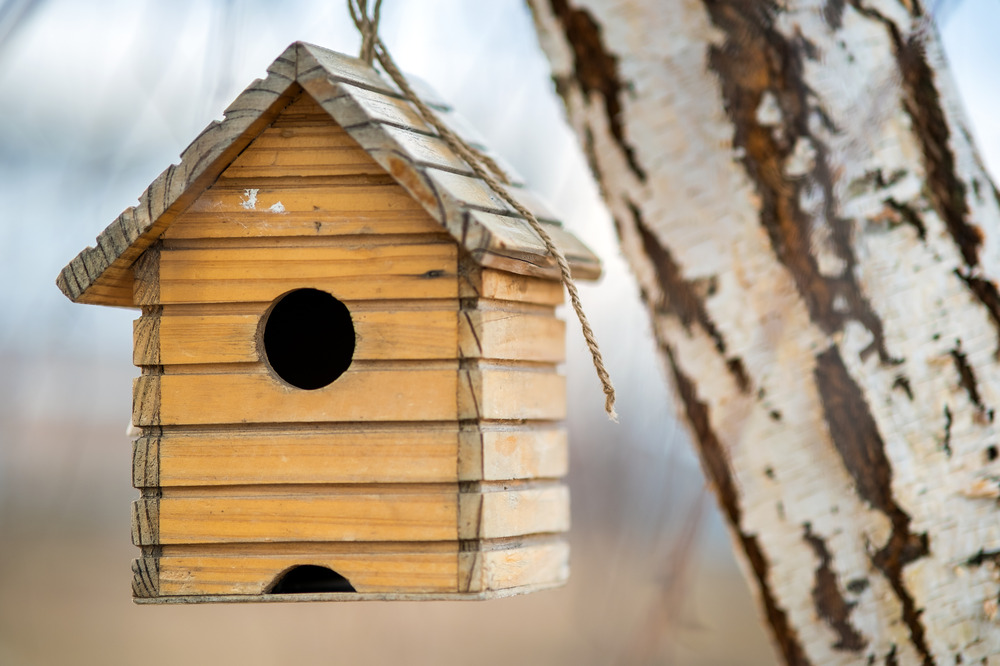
[{"x": 817, "y": 243}]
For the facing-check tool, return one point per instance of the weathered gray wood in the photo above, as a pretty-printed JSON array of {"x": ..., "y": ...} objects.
[
  {"x": 349, "y": 596},
  {"x": 145, "y": 578},
  {"x": 146, "y": 521},
  {"x": 146, "y": 462}
]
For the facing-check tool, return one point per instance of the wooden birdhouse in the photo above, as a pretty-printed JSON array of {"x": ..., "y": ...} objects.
[{"x": 349, "y": 355}]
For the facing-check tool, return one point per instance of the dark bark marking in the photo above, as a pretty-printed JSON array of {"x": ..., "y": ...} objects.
[
  {"x": 717, "y": 469},
  {"x": 856, "y": 437},
  {"x": 922, "y": 103},
  {"x": 857, "y": 586},
  {"x": 983, "y": 556},
  {"x": 946, "y": 444},
  {"x": 890, "y": 659},
  {"x": 991, "y": 453},
  {"x": 830, "y": 603},
  {"x": 681, "y": 297},
  {"x": 967, "y": 377},
  {"x": 775, "y": 415},
  {"x": 833, "y": 13},
  {"x": 595, "y": 70},
  {"x": 903, "y": 382},
  {"x": 985, "y": 291},
  {"x": 757, "y": 59},
  {"x": 909, "y": 216}
]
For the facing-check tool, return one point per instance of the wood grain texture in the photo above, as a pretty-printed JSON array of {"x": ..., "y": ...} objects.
[
  {"x": 497, "y": 453},
  {"x": 325, "y": 514},
  {"x": 232, "y": 274},
  {"x": 146, "y": 577},
  {"x": 498, "y": 392},
  {"x": 232, "y": 338},
  {"x": 363, "y": 395},
  {"x": 146, "y": 521},
  {"x": 506, "y": 513},
  {"x": 347, "y": 454},
  {"x": 251, "y": 574},
  {"x": 539, "y": 564},
  {"x": 518, "y": 336},
  {"x": 476, "y": 282}
]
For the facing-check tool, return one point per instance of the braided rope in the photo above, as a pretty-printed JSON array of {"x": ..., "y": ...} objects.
[{"x": 476, "y": 161}]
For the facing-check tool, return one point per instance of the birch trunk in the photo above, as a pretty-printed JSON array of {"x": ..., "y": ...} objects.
[{"x": 817, "y": 242}]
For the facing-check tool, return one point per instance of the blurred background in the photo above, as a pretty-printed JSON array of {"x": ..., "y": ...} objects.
[{"x": 96, "y": 99}]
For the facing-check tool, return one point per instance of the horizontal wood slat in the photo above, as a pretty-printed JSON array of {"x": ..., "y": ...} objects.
[
  {"x": 511, "y": 394},
  {"x": 503, "y": 286},
  {"x": 498, "y": 334},
  {"x": 497, "y": 514},
  {"x": 382, "y": 516},
  {"x": 515, "y": 567},
  {"x": 222, "y": 338},
  {"x": 513, "y": 453},
  {"x": 419, "y": 270},
  {"x": 361, "y": 455},
  {"x": 252, "y": 574},
  {"x": 362, "y": 395}
]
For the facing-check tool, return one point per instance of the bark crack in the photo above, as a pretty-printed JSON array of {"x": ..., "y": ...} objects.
[
  {"x": 755, "y": 61},
  {"x": 856, "y": 437},
  {"x": 681, "y": 297},
  {"x": 717, "y": 469},
  {"x": 595, "y": 69},
  {"x": 830, "y": 603}
]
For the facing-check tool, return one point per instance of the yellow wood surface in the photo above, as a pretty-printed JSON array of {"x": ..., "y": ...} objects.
[
  {"x": 415, "y": 572},
  {"x": 327, "y": 514},
  {"x": 495, "y": 453},
  {"x": 514, "y": 567},
  {"x": 232, "y": 338},
  {"x": 503, "y": 286},
  {"x": 416, "y": 454},
  {"x": 404, "y": 394},
  {"x": 233, "y": 274},
  {"x": 498, "y": 392},
  {"x": 499, "y": 334},
  {"x": 506, "y": 513}
]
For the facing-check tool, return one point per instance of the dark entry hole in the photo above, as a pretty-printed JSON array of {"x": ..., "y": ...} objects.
[
  {"x": 309, "y": 338},
  {"x": 310, "y": 578}
]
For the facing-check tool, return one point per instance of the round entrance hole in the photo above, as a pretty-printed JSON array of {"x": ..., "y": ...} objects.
[{"x": 308, "y": 338}]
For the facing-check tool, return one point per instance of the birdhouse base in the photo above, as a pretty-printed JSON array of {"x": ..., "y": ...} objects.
[{"x": 348, "y": 596}]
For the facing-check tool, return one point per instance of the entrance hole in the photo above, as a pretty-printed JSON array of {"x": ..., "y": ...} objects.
[
  {"x": 309, "y": 578},
  {"x": 308, "y": 338}
]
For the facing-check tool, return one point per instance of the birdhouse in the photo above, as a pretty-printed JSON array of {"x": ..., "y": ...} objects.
[{"x": 348, "y": 351}]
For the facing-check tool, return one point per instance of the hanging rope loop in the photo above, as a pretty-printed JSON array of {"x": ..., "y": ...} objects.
[
  {"x": 487, "y": 170},
  {"x": 367, "y": 26}
]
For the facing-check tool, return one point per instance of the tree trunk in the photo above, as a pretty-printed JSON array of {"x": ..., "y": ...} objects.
[{"x": 817, "y": 242}]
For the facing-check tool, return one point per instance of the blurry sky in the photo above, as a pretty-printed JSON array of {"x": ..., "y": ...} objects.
[{"x": 98, "y": 97}]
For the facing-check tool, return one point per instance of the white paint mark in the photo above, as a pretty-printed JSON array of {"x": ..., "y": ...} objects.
[
  {"x": 277, "y": 208},
  {"x": 249, "y": 200}
]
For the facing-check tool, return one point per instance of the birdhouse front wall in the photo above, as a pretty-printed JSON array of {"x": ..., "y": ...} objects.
[{"x": 431, "y": 465}]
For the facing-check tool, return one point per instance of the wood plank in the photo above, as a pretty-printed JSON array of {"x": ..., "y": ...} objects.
[
  {"x": 536, "y": 564},
  {"x": 498, "y": 454},
  {"x": 357, "y": 455},
  {"x": 372, "y": 572},
  {"x": 324, "y": 516},
  {"x": 232, "y": 274},
  {"x": 358, "y": 395},
  {"x": 507, "y": 513},
  {"x": 487, "y": 392},
  {"x": 500, "y": 334},
  {"x": 220, "y": 338},
  {"x": 488, "y": 283}
]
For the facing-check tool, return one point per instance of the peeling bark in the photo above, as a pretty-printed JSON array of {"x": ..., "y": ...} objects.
[{"x": 812, "y": 231}]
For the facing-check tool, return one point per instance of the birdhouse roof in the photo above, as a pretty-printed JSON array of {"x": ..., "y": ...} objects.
[{"x": 375, "y": 114}]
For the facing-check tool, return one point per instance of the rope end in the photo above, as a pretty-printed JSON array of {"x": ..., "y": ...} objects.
[{"x": 609, "y": 407}]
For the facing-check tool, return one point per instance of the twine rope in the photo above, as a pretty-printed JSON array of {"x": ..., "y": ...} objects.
[{"x": 486, "y": 169}]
